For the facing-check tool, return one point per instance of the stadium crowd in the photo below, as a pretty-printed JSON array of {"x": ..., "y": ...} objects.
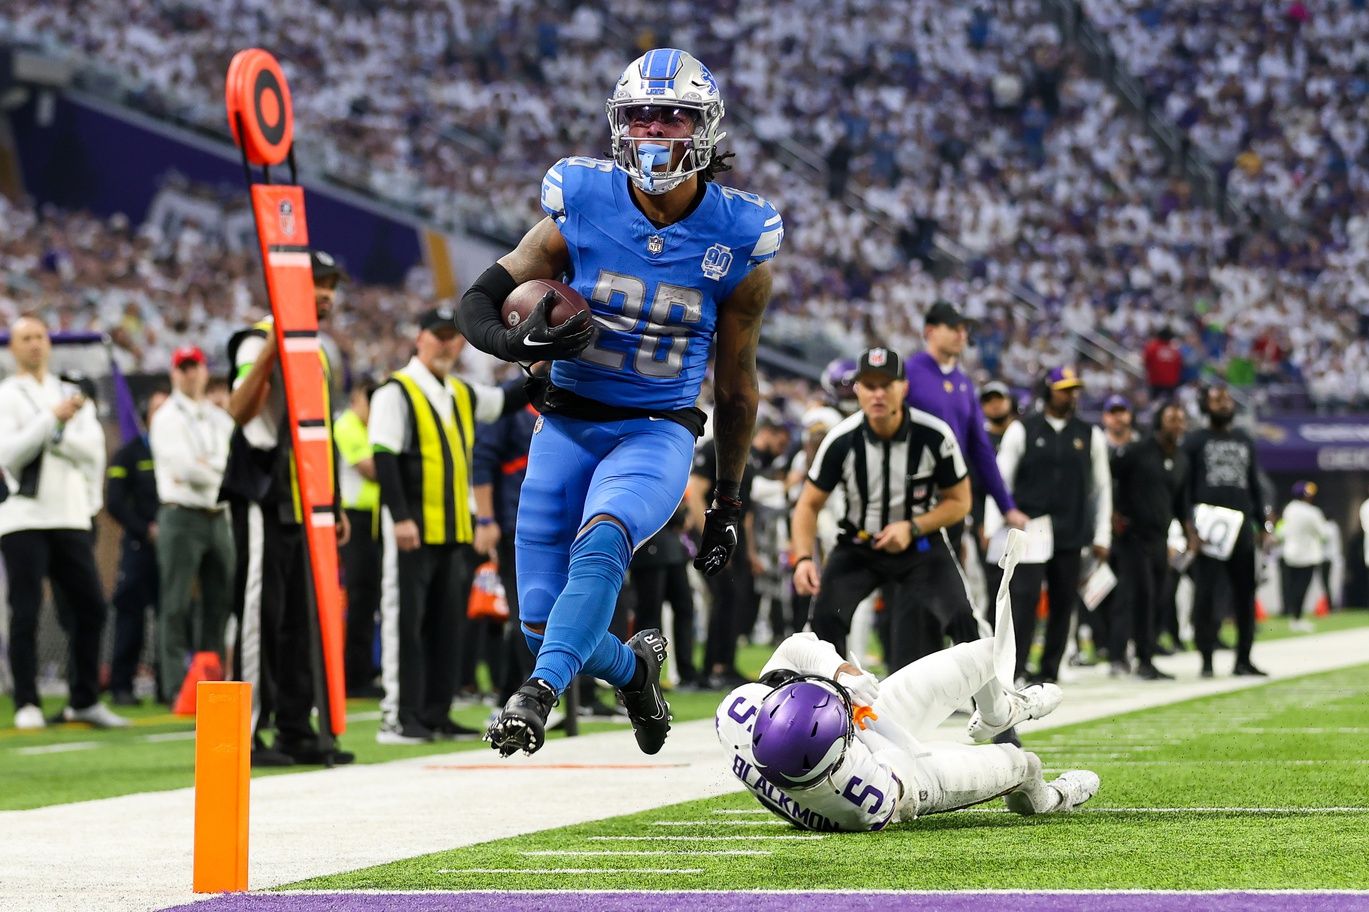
[{"x": 973, "y": 121}]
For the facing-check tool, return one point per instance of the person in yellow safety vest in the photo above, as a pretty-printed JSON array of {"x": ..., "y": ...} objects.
[
  {"x": 278, "y": 643},
  {"x": 361, "y": 556},
  {"x": 422, "y": 430}
]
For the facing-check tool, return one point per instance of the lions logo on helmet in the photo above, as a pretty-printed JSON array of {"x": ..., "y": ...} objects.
[{"x": 669, "y": 78}]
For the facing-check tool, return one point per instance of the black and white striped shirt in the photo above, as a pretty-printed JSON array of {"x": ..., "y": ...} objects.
[{"x": 890, "y": 480}]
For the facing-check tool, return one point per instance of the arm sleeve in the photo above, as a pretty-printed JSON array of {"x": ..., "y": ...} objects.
[
  {"x": 1262, "y": 509},
  {"x": 391, "y": 490},
  {"x": 950, "y": 463},
  {"x": 493, "y": 402},
  {"x": 1102, "y": 490},
  {"x": 1010, "y": 450},
  {"x": 479, "y": 315},
  {"x": 388, "y": 427},
  {"x": 806, "y": 654},
  {"x": 22, "y": 434},
  {"x": 982, "y": 456}
]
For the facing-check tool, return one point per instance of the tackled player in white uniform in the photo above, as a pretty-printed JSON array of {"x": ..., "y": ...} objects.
[{"x": 828, "y": 747}]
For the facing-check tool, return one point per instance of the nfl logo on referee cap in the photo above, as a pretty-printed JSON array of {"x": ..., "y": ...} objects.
[{"x": 880, "y": 361}]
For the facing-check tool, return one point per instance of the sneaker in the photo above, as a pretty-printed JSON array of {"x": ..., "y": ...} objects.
[
  {"x": 1207, "y": 667},
  {"x": 1073, "y": 786},
  {"x": 264, "y": 757},
  {"x": 406, "y": 733},
  {"x": 1118, "y": 669},
  {"x": 1247, "y": 670},
  {"x": 647, "y": 708},
  {"x": 29, "y": 718},
  {"x": 451, "y": 730},
  {"x": 124, "y": 698},
  {"x": 310, "y": 753},
  {"x": 96, "y": 714},
  {"x": 1033, "y": 702},
  {"x": 522, "y": 725},
  {"x": 1148, "y": 672},
  {"x": 1302, "y": 626}
]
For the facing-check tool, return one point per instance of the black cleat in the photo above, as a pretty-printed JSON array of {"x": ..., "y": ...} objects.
[
  {"x": 1148, "y": 672},
  {"x": 1008, "y": 736},
  {"x": 523, "y": 723},
  {"x": 647, "y": 708},
  {"x": 1245, "y": 669}
]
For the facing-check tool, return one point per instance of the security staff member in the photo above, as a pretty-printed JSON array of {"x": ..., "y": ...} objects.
[
  {"x": 999, "y": 406},
  {"x": 53, "y": 450},
  {"x": 905, "y": 482},
  {"x": 422, "y": 430},
  {"x": 1057, "y": 466},
  {"x": 1149, "y": 478},
  {"x": 279, "y": 649},
  {"x": 131, "y": 497},
  {"x": 189, "y": 440},
  {"x": 362, "y": 553},
  {"x": 1224, "y": 473},
  {"x": 1305, "y": 534}
]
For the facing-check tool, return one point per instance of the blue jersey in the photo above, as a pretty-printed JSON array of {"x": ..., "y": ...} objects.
[{"x": 654, "y": 292}]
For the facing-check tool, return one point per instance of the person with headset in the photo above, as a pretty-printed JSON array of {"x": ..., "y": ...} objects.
[
  {"x": 1225, "y": 474},
  {"x": 1057, "y": 466},
  {"x": 1149, "y": 478}
]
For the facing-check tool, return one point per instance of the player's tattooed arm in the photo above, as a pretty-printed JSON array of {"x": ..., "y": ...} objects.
[
  {"x": 736, "y": 391},
  {"x": 542, "y": 254}
]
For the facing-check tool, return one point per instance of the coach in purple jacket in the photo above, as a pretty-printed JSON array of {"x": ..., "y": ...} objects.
[{"x": 936, "y": 384}]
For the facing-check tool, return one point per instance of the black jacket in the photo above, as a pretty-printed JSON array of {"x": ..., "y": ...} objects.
[{"x": 131, "y": 495}]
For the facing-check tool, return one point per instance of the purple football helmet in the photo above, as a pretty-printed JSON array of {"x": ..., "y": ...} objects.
[
  {"x": 839, "y": 379},
  {"x": 802, "y": 732}
]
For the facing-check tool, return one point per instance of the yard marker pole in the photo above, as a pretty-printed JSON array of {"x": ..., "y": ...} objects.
[{"x": 223, "y": 767}]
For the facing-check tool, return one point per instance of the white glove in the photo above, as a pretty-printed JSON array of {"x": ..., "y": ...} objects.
[{"x": 863, "y": 687}]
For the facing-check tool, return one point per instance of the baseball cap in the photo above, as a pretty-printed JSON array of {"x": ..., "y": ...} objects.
[
  {"x": 1116, "y": 401},
  {"x": 325, "y": 267},
  {"x": 1063, "y": 378},
  {"x": 882, "y": 361},
  {"x": 443, "y": 317},
  {"x": 994, "y": 388},
  {"x": 943, "y": 313},
  {"x": 187, "y": 354}
]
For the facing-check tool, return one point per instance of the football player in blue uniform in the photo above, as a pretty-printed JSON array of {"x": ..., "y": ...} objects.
[{"x": 675, "y": 268}]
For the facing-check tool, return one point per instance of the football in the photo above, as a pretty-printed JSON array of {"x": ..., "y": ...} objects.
[{"x": 519, "y": 305}]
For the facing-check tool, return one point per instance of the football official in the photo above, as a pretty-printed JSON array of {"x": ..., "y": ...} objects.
[
  {"x": 422, "y": 431},
  {"x": 1224, "y": 473},
  {"x": 905, "y": 482},
  {"x": 1057, "y": 466}
]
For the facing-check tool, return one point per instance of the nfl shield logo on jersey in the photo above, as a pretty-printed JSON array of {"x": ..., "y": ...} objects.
[
  {"x": 717, "y": 261},
  {"x": 655, "y": 244}
]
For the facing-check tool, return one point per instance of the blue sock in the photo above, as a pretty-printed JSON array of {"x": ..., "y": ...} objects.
[
  {"x": 577, "y": 639},
  {"x": 534, "y": 640}
]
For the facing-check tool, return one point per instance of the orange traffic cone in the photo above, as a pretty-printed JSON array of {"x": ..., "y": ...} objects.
[
  {"x": 1043, "y": 606},
  {"x": 205, "y": 666},
  {"x": 1323, "y": 607},
  {"x": 1260, "y": 613}
]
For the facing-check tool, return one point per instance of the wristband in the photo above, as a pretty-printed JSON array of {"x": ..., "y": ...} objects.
[
  {"x": 484, "y": 521},
  {"x": 794, "y": 564},
  {"x": 728, "y": 491}
]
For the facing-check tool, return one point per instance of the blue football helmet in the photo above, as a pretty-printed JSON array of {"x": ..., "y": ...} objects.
[{"x": 670, "y": 79}]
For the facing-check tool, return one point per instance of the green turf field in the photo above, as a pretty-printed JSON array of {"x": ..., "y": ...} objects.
[
  {"x": 76, "y": 763},
  {"x": 1252, "y": 789}
]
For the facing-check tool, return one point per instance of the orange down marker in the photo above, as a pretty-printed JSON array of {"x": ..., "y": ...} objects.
[{"x": 223, "y": 767}]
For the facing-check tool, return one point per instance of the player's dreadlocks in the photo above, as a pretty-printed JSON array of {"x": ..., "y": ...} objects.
[{"x": 717, "y": 165}]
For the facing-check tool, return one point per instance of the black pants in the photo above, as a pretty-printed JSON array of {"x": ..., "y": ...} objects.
[
  {"x": 518, "y": 658},
  {"x": 655, "y": 586},
  {"x": 361, "y": 572},
  {"x": 1296, "y": 581},
  {"x": 434, "y": 586},
  {"x": 1061, "y": 576},
  {"x": 916, "y": 584},
  {"x": 734, "y": 595},
  {"x": 66, "y": 558},
  {"x": 278, "y": 649},
  {"x": 1141, "y": 566},
  {"x": 1239, "y": 571},
  {"x": 135, "y": 594}
]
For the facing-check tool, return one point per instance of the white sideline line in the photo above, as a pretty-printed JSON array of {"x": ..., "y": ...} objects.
[
  {"x": 795, "y": 837},
  {"x": 742, "y": 811},
  {"x": 690, "y": 852},
  {"x": 570, "y": 870},
  {"x": 1205, "y": 762},
  {"x": 735, "y": 823},
  {"x": 56, "y": 748},
  {"x": 168, "y": 736}
]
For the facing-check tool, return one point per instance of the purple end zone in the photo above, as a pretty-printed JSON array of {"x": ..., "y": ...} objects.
[{"x": 570, "y": 901}]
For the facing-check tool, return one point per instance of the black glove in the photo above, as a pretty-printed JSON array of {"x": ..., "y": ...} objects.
[
  {"x": 535, "y": 339},
  {"x": 721, "y": 531}
]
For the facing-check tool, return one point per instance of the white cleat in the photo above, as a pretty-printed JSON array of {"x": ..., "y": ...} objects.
[
  {"x": 1034, "y": 702},
  {"x": 1074, "y": 788},
  {"x": 29, "y": 718},
  {"x": 96, "y": 714}
]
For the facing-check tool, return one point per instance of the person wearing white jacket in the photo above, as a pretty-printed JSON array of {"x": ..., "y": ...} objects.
[
  {"x": 1304, "y": 533},
  {"x": 52, "y": 451}
]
